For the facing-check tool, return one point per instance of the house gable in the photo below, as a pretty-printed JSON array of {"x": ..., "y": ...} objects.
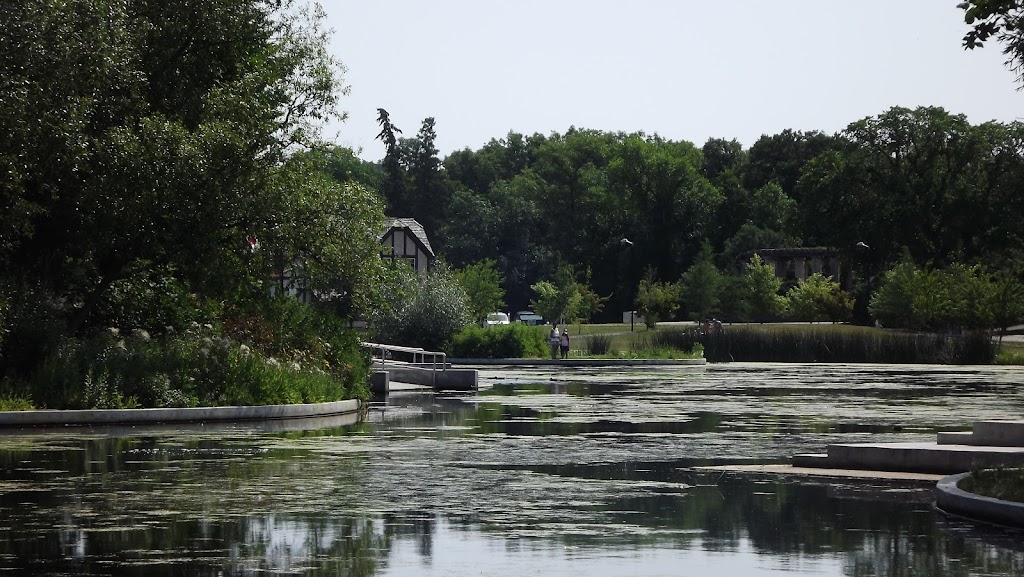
[{"x": 404, "y": 238}]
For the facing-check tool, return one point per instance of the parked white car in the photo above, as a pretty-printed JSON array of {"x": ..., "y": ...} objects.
[
  {"x": 529, "y": 318},
  {"x": 495, "y": 319}
]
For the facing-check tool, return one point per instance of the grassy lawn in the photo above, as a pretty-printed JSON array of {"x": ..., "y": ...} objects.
[
  {"x": 625, "y": 340},
  {"x": 1011, "y": 353}
]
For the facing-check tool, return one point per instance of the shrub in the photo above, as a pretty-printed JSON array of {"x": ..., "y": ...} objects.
[
  {"x": 425, "y": 311},
  {"x": 513, "y": 341},
  {"x": 198, "y": 368},
  {"x": 819, "y": 298}
]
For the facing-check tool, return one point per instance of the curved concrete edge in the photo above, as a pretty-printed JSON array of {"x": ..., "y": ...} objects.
[
  {"x": 582, "y": 362},
  {"x": 174, "y": 415},
  {"x": 951, "y": 499}
]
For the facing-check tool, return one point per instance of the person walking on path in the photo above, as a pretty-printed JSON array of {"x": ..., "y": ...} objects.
[
  {"x": 564, "y": 345},
  {"x": 554, "y": 340}
]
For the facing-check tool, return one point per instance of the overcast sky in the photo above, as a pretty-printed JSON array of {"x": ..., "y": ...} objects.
[{"x": 685, "y": 69}]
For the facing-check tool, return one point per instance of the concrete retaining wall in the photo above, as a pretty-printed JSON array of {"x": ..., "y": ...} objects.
[
  {"x": 581, "y": 362},
  {"x": 185, "y": 415},
  {"x": 449, "y": 380},
  {"x": 952, "y": 499}
]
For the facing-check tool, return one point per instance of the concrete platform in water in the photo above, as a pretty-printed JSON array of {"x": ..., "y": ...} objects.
[{"x": 990, "y": 444}]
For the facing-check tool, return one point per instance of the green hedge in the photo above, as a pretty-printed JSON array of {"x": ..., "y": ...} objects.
[{"x": 514, "y": 341}]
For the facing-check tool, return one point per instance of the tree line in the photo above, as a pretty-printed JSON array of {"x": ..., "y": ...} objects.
[{"x": 923, "y": 184}]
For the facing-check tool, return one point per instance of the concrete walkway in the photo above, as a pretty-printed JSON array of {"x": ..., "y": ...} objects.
[{"x": 990, "y": 444}]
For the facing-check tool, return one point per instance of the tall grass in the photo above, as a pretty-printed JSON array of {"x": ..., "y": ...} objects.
[
  {"x": 597, "y": 344},
  {"x": 828, "y": 344}
]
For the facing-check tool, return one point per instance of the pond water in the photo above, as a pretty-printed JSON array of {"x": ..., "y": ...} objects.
[{"x": 552, "y": 471}]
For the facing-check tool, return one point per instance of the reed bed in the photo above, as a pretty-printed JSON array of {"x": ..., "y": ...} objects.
[{"x": 828, "y": 344}]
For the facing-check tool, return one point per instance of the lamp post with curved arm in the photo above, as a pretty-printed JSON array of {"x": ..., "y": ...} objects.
[{"x": 628, "y": 244}]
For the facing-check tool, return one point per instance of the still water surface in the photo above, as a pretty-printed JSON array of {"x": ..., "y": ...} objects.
[{"x": 544, "y": 471}]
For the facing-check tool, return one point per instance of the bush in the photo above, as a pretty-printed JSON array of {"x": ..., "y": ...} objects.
[
  {"x": 425, "y": 311},
  {"x": 515, "y": 341},
  {"x": 203, "y": 368}
]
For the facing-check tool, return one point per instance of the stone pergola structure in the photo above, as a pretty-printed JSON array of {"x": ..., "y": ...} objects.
[{"x": 798, "y": 263}]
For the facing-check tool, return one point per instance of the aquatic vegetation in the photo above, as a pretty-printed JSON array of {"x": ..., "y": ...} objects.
[
  {"x": 828, "y": 343},
  {"x": 1004, "y": 483}
]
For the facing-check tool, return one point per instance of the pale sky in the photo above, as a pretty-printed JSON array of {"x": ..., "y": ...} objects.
[{"x": 685, "y": 69}]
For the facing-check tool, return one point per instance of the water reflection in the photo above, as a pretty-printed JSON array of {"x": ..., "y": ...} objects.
[{"x": 547, "y": 472}]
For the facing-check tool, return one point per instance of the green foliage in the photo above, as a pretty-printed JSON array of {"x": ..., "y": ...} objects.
[
  {"x": 702, "y": 285},
  {"x": 819, "y": 298},
  {"x": 560, "y": 299},
  {"x": 596, "y": 345},
  {"x": 762, "y": 290},
  {"x": 514, "y": 341},
  {"x": 482, "y": 283},
  {"x": 1001, "y": 19},
  {"x": 657, "y": 301},
  {"x": 281, "y": 352},
  {"x": 422, "y": 310},
  {"x": 1005, "y": 484},
  {"x": 892, "y": 303},
  {"x": 836, "y": 344},
  {"x": 141, "y": 146},
  {"x": 959, "y": 297}
]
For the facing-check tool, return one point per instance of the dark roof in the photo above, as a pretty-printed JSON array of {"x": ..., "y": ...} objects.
[{"x": 410, "y": 224}]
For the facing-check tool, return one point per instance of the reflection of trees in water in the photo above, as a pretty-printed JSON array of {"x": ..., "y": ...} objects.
[
  {"x": 181, "y": 507},
  {"x": 876, "y": 537}
]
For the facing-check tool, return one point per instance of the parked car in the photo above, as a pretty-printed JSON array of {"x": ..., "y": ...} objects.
[
  {"x": 495, "y": 319},
  {"x": 529, "y": 318}
]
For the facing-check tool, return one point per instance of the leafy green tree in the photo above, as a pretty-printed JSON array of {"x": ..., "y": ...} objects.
[
  {"x": 422, "y": 310},
  {"x": 972, "y": 292},
  {"x": 1000, "y": 19},
  {"x": 150, "y": 136},
  {"x": 702, "y": 285},
  {"x": 657, "y": 301},
  {"x": 771, "y": 208},
  {"x": 762, "y": 290},
  {"x": 722, "y": 157},
  {"x": 1007, "y": 301},
  {"x": 344, "y": 166},
  {"x": 482, "y": 283},
  {"x": 590, "y": 303},
  {"x": 819, "y": 298},
  {"x": 559, "y": 299},
  {"x": 780, "y": 158},
  {"x": 430, "y": 195},
  {"x": 892, "y": 304}
]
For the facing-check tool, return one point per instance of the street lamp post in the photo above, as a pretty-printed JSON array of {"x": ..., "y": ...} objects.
[{"x": 628, "y": 244}]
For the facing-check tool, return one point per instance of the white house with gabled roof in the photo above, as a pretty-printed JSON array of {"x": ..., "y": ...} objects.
[{"x": 404, "y": 238}]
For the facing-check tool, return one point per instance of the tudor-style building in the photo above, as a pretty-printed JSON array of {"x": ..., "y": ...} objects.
[{"x": 404, "y": 238}]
